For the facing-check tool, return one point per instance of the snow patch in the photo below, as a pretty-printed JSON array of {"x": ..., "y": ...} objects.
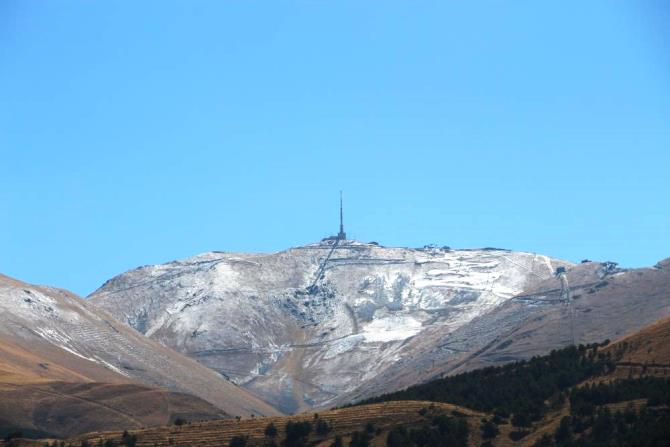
[
  {"x": 343, "y": 345},
  {"x": 391, "y": 328}
]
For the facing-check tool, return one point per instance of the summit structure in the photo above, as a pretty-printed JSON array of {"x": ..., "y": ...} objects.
[{"x": 341, "y": 235}]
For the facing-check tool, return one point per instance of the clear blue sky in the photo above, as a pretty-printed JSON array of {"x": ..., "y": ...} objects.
[{"x": 140, "y": 132}]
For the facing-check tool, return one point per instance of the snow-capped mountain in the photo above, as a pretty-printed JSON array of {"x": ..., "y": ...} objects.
[{"x": 306, "y": 326}]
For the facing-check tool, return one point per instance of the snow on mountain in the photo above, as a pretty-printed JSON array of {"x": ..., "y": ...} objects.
[
  {"x": 302, "y": 332},
  {"x": 608, "y": 303},
  {"x": 86, "y": 344}
]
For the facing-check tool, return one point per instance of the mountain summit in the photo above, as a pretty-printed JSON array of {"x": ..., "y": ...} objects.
[{"x": 305, "y": 326}]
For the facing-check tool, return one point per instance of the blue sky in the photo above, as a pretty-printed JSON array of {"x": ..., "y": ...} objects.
[{"x": 140, "y": 132}]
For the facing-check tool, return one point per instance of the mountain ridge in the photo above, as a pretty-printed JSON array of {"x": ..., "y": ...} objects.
[
  {"x": 288, "y": 320},
  {"x": 61, "y": 354}
]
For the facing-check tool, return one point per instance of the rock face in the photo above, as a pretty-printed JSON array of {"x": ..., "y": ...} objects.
[
  {"x": 304, "y": 327},
  {"x": 56, "y": 347}
]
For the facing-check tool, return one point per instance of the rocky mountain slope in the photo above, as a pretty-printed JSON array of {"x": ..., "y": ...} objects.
[
  {"x": 608, "y": 304},
  {"x": 304, "y": 327},
  {"x": 73, "y": 367}
]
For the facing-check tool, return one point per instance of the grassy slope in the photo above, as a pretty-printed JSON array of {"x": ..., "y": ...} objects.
[
  {"x": 344, "y": 421},
  {"x": 646, "y": 352},
  {"x": 48, "y": 391},
  {"x": 40, "y": 397},
  {"x": 647, "y": 346}
]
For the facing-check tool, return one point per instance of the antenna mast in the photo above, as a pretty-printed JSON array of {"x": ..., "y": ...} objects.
[{"x": 341, "y": 235}]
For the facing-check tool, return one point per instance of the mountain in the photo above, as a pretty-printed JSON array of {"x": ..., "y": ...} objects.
[
  {"x": 609, "y": 303},
  {"x": 68, "y": 367},
  {"x": 304, "y": 327},
  {"x": 596, "y": 394},
  {"x": 576, "y": 396}
]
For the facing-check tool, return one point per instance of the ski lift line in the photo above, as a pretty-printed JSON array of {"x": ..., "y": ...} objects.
[
  {"x": 237, "y": 372},
  {"x": 567, "y": 299},
  {"x": 320, "y": 343},
  {"x": 268, "y": 351},
  {"x": 304, "y": 382},
  {"x": 322, "y": 266},
  {"x": 236, "y": 350},
  {"x": 449, "y": 348},
  {"x": 523, "y": 267},
  {"x": 578, "y": 287},
  {"x": 525, "y": 299},
  {"x": 246, "y": 373}
]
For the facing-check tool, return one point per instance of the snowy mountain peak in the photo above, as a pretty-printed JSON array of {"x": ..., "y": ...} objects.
[{"x": 302, "y": 326}]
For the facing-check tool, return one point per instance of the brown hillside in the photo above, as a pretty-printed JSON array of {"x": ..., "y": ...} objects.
[
  {"x": 63, "y": 409},
  {"x": 646, "y": 352},
  {"x": 84, "y": 343},
  {"x": 39, "y": 362},
  {"x": 383, "y": 416},
  {"x": 67, "y": 369},
  {"x": 42, "y": 398},
  {"x": 643, "y": 347}
]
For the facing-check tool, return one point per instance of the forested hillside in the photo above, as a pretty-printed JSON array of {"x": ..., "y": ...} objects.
[
  {"x": 526, "y": 390},
  {"x": 567, "y": 398}
]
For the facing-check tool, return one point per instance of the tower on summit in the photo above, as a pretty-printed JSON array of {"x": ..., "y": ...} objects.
[{"x": 341, "y": 235}]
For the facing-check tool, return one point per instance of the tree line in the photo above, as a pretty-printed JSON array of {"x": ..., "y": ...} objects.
[{"x": 523, "y": 390}]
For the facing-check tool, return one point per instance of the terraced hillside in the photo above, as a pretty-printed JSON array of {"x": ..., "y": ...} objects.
[
  {"x": 646, "y": 352},
  {"x": 343, "y": 422}
]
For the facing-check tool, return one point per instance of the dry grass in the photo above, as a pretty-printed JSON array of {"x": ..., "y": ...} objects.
[
  {"x": 384, "y": 416},
  {"x": 65, "y": 409},
  {"x": 644, "y": 353}
]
